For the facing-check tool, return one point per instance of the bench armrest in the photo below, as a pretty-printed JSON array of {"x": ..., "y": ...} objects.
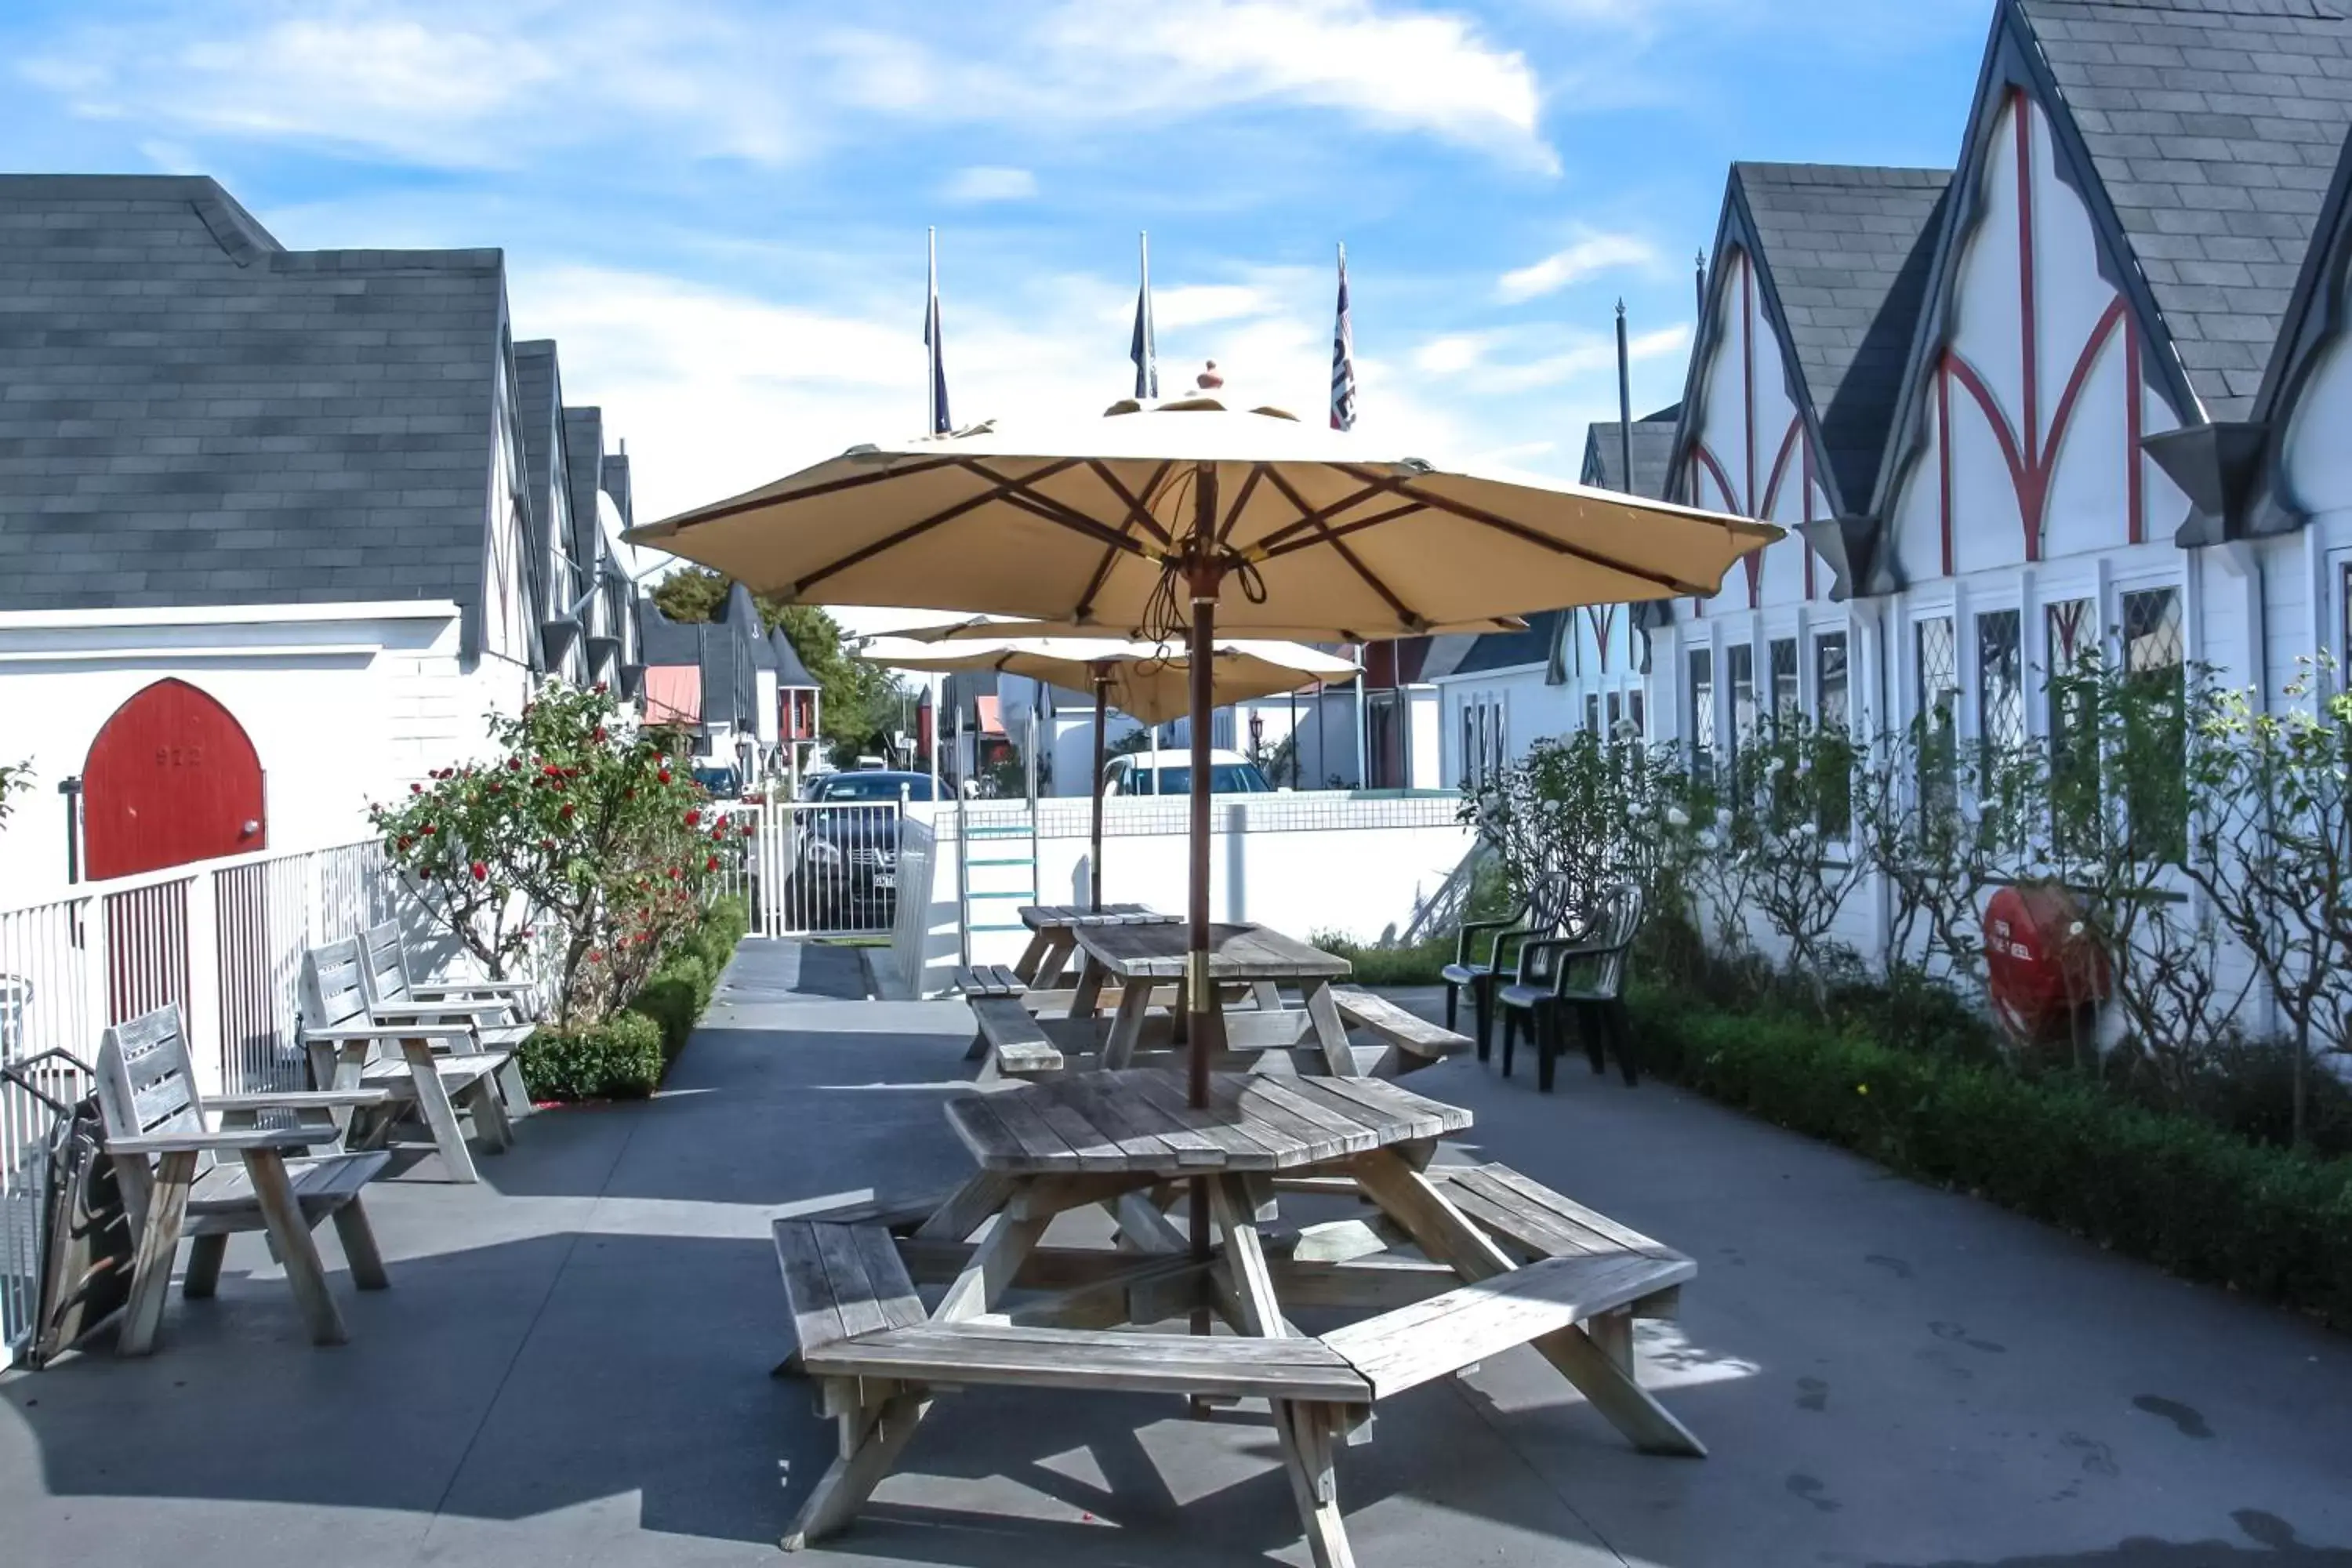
[
  {"x": 432, "y": 1010},
  {"x": 1570, "y": 949},
  {"x": 215, "y": 1143},
  {"x": 430, "y": 988},
  {"x": 344, "y": 1034},
  {"x": 1469, "y": 930},
  {"x": 299, "y": 1099}
]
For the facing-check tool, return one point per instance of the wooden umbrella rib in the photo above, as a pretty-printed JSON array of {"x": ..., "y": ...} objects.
[
  {"x": 1403, "y": 613},
  {"x": 831, "y": 487},
  {"x": 1340, "y": 529},
  {"x": 1136, "y": 510},
  {"x": 1310, "y": 516},
  {"x": 1241, "y": 501},
  {"x": 1674, "y": 586},
  {"x": 912, "y": 530},
  {"x": 1024, "y": 492}
]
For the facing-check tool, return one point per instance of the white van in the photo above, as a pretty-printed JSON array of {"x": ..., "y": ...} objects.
[{"x": 1170, "y": 772}]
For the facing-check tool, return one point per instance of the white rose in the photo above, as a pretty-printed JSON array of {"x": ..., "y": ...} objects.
[
  {"x": 1723, "y": 817},
  {"x": 1809, "y": 830},
  {"x": 1677, "y": 817},
  {"x": 1707, "y": 840},
  {"x": 1775, "y": 766}
]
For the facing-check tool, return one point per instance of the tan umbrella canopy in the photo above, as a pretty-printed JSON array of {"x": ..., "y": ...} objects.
[
  {"x": 1150, "y": 681},
  {"x": 1171, "y": 519}
]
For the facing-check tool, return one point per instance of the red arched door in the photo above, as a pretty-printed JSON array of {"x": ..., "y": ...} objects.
[{"x": 171, "y": 778}]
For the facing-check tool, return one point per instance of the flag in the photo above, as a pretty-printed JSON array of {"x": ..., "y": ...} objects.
[
  {"x": 1343, "y": 358},
  {"x": 1143, "y": 351},
  {"x": 940, "y": 424}
]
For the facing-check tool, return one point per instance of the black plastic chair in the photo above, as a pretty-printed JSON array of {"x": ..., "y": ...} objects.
[
  {"x": 1582, "y": 977},
  {"x": 1542, "y": 913}
]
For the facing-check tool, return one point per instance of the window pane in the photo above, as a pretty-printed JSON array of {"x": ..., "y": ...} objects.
[
  {"x": 1938, "y": 694},
  {"x": 1829, "y": 678},
  {"x": 2001, "y": 680},
  {"x": 1739, "y": 669},
  {"x": 1616, "y": 714},
  {"x": 1592, "y": 715},
  {"x": 2157, "y": 793},
  {"x": 2152, "y": 642},
  {"x": 1785, "y": 701},
  {"x": 1634, "y": 715},
  {"x": 1702, "y": 703}
]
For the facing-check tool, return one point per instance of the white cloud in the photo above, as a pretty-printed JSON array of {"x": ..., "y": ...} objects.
[
  {"x": 1591, "y": 356},
  {"x": 1590, "y": 255},
  {"x": 1451, "y": 354},
  {"x": 452, "y": 83},
  {"x": 990, "y": 183},
  {"x": 1201, "y": 304}
]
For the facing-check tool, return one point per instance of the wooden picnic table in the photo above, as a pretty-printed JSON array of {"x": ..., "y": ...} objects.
[
  {"x": 1504, "y": 1262},
  {"x": 1140, "y": 958},
  {"x": 1053, "y": 935}
]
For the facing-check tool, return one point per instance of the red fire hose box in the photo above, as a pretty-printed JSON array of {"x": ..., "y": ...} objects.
[{"x": 2040, "y": 962}]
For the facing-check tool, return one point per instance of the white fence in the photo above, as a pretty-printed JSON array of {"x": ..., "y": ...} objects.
[
  {"x": 1362, "y": 868},
  {"x": 819, "y": 868},
  {"x": 224, "y": 938}
]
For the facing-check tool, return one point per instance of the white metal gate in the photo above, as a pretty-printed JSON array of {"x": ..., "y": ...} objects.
[{"x": 822, "y": 867}]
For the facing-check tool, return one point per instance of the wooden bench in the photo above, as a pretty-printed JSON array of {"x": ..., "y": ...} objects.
[
  {"x": 1010, "y": 1041},
  {"x": 494, "y": 1010},
  {"x": 989, "y": 980},
  {"x": 864, "y": 1332},
  {"x": 436, "y": 1067},
  {"x": 165, "y": 1148},
  {"x": 1412, "y": 1042}
]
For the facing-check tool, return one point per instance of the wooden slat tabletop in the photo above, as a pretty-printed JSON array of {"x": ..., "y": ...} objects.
[
  {"x": 1070, "y": 917},
  {"x": 1236, "y": 952},
  {"x": 1138, "y": 1119}
]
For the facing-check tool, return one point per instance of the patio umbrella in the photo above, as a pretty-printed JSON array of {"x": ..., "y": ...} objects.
[
  {"x": 1150, "y": 681},
  {"x": 1158, "y": 520}
]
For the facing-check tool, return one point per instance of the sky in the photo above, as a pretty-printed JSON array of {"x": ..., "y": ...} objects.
[{"x": 718, "y": 207}]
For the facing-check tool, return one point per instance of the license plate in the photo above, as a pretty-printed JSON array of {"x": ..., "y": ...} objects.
[{"x": 886, "y": 880}]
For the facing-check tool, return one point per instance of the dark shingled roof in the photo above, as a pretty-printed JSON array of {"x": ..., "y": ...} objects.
[
  {"x": 2214, "y": 125},
  {"x": 1653, "y": 451},
  {"x": 1510, "y": 650},
  {"x": 1847, "y": 252},
  {"x": 583, "y": 446},
  {"x": 192, "y": 415},
  {"x": 790, "y": 671}
]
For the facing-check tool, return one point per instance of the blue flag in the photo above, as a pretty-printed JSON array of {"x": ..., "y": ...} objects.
[{"x": 940, "y": 423}]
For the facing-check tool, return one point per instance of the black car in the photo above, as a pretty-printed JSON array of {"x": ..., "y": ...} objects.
[{"x": 845, "y": 850}]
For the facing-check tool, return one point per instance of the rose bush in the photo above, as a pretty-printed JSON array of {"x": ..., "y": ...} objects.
[{"x": 583, "y": 837}]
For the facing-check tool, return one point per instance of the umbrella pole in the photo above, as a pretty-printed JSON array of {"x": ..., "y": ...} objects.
[
  {"x": 1102, "y": 751},
  {"x": 1203, "y": 1028}
]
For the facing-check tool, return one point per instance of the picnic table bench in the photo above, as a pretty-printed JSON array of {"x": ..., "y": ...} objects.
[
  {"x": 1007, "y": 1042},
  {"x": 1503, "y": 1261}
]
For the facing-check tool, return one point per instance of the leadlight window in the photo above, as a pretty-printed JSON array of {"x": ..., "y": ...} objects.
[
  {"x": 1938, "y": 695},
  {"x": 1701, "y": 704},
  {"x": 2001, "y": 680},
  {"x": 1634, "y": 715},
  {"x": 1616, "y": 715},
  {"x": 1830, "y": 681},
  {"x": 2154, "y": 661},
  {"x": 2152, "y": 640},
  {"x": 1739, "y": 669},
  {"x": 1592, "y": 717},
  {"x": 1786, "y": 702}
]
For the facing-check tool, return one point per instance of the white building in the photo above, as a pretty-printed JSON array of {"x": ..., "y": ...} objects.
[{"x": 277, "y": 529}]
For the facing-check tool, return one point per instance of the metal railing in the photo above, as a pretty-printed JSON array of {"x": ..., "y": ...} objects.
[
  {"x": 819, "y": 868},
  {"x": 223, "y": 938}
]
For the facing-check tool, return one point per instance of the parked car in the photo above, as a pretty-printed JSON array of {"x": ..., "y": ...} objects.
[
  {"x": 1170, "y": 772},
  {"x": 723, "y": 782},
  {"x": 845, "y": 856}
]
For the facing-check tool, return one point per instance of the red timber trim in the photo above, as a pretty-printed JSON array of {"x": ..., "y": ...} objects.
[
  {"x": 1943, "y": 451},
  {"x": 1732, "y": 500},
  {"x": 1754, "y": 560},
  {"x": 2031, "y": 465},
  {"x": 2134, "y": 500},
  {"x": 1808, "y": 482},
  {"x": 1604, "y": 620}
]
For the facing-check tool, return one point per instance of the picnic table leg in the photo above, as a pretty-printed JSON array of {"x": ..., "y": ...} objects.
[
  {"x": 1025, "y": 968},
  {"x": 296, "y": 1249},
  {"x": 1329, "y": 1029},
  {"x": 159, "y": 1245},
  {"x": 1086, "y": 998},
  {"x": 1304, "y": 1429},
  {"x": 440, "y": 1116},
  {"x": 1441, "y": 1230},
  {"x": 1055, "y": 960},
  {"x": 1127, "y": 1028},
  {"x": 872, "y": 1438}
]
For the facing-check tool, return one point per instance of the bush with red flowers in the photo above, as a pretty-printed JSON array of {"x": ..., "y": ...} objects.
[{"x": 575, "y": 840}]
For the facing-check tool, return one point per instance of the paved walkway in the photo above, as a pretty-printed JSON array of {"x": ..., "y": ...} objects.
[{"x": 570, "y": 1368}]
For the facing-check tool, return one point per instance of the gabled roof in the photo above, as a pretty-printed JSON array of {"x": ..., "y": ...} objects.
[
  {"x": 1513, "y": 650},
  {"x": 1653, "y": 451},
  {"x": 583, "y": 448},
  {"x": 2214, "y": 127},
  {"x": 790, "y": 671},
  {"x": 190, "y": 414},
  {"x": 1843, "y": 254}
]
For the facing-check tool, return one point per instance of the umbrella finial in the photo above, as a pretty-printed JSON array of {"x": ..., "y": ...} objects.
[{"x": 1209, "y": 380}]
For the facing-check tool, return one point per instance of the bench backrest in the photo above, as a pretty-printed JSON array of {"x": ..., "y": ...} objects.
[
  {"x": 147, "y": 1081},
  {"x": 334, "y": 984},
  {"x": 1616, "y": 920},
  {"x": 383, "y": 968}
]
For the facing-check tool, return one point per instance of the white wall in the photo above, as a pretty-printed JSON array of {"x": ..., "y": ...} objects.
[
  {"x": 1299, "y": 863},
  {"x": 344, "y": 704}
]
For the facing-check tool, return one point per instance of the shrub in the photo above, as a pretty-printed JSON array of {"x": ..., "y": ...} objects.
[
  {"x": 2189, "y": 1197},
  {"x": 1415, "y": 965},
  {"x": 618, "y": 1057},
  {"x": 674, "y": 999}
]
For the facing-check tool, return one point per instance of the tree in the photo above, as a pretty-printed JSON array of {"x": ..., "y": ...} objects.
[
  {"x": 584, "y": 824},
  {"x": 16, "y": 778},
  {"x": 857, "y": 700}
]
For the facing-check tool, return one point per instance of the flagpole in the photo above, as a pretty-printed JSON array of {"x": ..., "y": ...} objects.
[{"x": 932, "y": 333}]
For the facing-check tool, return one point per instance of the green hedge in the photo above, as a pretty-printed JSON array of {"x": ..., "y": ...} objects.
[
  {"x": 620, "y": 1057},
  {"x": 623, "y": 1056},
  {"x": 2177, "y": 1192}
]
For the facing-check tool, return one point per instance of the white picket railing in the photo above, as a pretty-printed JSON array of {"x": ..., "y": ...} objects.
[{"x": 224, "y": 938}]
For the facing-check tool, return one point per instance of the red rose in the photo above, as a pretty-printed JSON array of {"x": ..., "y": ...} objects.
[
  {"x": 665, "y": 776},
  {"x": 675, "y": 873},
  {"x": 599, "y": 732},
  {"x": 494, "y": 786},
  {"x": 712, "y": 864},
  {"x": 417, "y": 789},
  {"x": 551, "y": 771},
  {"x": 514, "y": 765},
  {"x": 566, "y": 812},
  {"x": 430, "y": 829},
  {"x": 599, "y": 688},
  {"x": 481, "y": 872},
  {"x": 404, "y": 841},
  {"x": 595, "y": 955},
  {"x": 749, "y": 824},
  {"x": 694, "y": 819}
]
